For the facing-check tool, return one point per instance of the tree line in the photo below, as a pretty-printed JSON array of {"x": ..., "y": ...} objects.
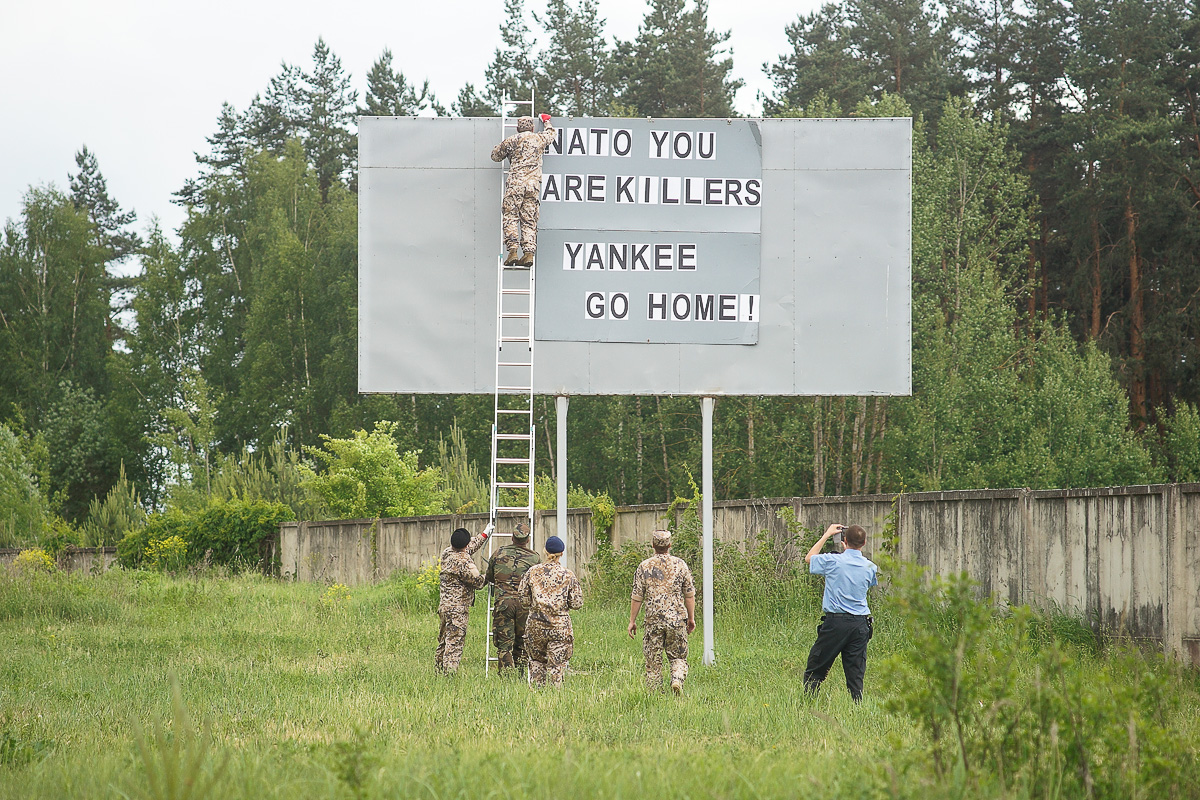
[{"x": 1056, "y": 290}]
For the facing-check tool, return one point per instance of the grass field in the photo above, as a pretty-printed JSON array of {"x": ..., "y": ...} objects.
[{"x": 318, "y": 692}]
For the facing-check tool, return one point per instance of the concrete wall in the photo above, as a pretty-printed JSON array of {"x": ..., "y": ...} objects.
[
  {"x": 72, "y": 559},
  {"x": 1127, "y": 557}
]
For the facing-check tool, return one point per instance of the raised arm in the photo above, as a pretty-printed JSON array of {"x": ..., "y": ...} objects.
[{"x": 816, "y": 548}]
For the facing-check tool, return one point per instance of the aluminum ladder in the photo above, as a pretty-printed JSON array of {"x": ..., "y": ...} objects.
[{"x": 511, "y": 493}]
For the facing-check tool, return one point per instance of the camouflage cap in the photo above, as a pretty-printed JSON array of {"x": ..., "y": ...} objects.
[
  {"x": 661, "y": 539},
  {"x": 525, "y": 124},
  {"x": 521, "y": 531}
]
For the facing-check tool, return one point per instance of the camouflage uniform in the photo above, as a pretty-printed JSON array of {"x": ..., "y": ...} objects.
[
  {"x": 505, "y": 570},
  {"x": 523, "y": 190},
  {"x": 661, "y": 583},
  {"x": 549, "y": 591},
  {"x": 457, "y": 584}
]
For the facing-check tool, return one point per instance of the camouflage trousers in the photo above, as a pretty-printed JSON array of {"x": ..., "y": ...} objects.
[
  {"x": 452, "y": 634},
  {"x": 663, "y": 637},
  {"x": 508, "y": 632},
  {"x": 550, "y": 647},
  {"x": 519, "y": 215}
]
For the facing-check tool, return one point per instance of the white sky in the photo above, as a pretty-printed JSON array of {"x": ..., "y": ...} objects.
[{"x": 141, "y": 82}]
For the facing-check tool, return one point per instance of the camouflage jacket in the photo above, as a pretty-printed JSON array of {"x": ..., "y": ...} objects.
[
  {"x": 550, "y": 591},
  {"x": 661, "y": 583},
  {"x": 524, "y": 153},
  {"x": 507, "y": 566},
  {"x": 459, "y": 577}
]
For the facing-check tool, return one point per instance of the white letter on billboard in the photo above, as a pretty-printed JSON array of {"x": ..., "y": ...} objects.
[
  {"x": 600, "y": 141},
  {"x": 681, "y": 147},
  {"x": 727, "y": 308},
  {"x": 618, "y": 305},
  {"x": 593, "y": 306},
  {"x": 648, "y": 190},
  {"x": 660, "y": 146},
  {"x": 571, "y": 252},
  {"x": 658, "y": 306},
  {"x": 626, "y": 187},
  {"x": 595, "y": 256},
  {"x": 622, "y": 143},
  {"x": 687, "y": 256},
  {"x": 748, "y": 308},
  {"x": 681, "y": 311},
  {"x": 670, "y": 190}
]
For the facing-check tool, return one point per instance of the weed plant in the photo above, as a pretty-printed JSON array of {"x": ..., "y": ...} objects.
[{"x": 313, "y": 692}]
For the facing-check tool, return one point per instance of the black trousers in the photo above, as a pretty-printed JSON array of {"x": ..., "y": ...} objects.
[{"x": 845, "y": 634}]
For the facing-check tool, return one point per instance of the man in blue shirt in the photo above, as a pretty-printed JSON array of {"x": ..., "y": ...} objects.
[{"x": 846, "y": 625}]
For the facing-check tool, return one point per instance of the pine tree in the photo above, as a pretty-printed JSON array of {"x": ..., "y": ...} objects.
[
  {"x": 389, "y": 94},
  {"x": 511, "y": 73},
  {"x": 89, "y": 193},
  {"x": 573, "y": 68},
  {"x": 327, "y": 109},
  {"x": 675, "y": 67},
  {"x": 821, "y": 63}
]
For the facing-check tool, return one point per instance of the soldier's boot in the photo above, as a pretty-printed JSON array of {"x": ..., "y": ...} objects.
[
  {"x": 526, "y": 259},
  {"x": 677, "y": 687},
  {"x": 511, "y": 258}
]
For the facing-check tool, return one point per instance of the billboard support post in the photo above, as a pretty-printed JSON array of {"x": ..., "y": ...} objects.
[
  {"x": 706, "y": 406},
  {"x": 560, "y": 476}
]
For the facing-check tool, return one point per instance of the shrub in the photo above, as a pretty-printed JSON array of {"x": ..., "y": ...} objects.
[
  {"x": 33, "y": 560},
  {"x": 231, "y": 533},
  {"x": 1008, "y": 705},
  {"x": 365, "y": 476},
  {"x": 118, "y": 513},
  {"x": 166, "y": 555},
  {"x": 23, "y": 510}
]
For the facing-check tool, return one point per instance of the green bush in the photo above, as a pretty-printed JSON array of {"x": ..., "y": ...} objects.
[
  {"x": 366, "y": 476},
  {"x": 232, "y": 533},
  {"x": 23, "y": 509},
  {"x": 1011, "y": 705}
]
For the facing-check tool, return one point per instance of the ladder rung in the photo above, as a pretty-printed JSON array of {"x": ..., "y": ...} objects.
[
  {"x": 514, "y": 291},
  {"x": 524, "y": 437},
  {"x": 518, "y": 102},
  {"x": 513, "y": 364},
  {"x": 515, "y": 315},
  {"x": 512, "y": 485},
  {"x": 514, "y": 338},
  {"x": 514, "y": 388},
  {"x": 512, "y": 508},
  {"x": 509, "y": 460},
  {"x": 514, "y": 411}
]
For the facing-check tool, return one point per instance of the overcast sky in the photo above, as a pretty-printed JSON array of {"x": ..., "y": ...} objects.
[{"x": 141, "y": 82}]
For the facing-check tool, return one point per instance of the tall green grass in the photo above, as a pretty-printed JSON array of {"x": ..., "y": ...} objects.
[{"x": 311, "y": 693}]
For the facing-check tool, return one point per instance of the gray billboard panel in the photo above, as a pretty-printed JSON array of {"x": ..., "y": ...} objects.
[{"x": 833, "y": 268}]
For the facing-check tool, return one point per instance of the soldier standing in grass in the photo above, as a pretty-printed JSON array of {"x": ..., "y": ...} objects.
[
  {"x": 663, "y": 583},
  {"x": 523, "y": 189},
  {"x": 549, "y": 590},
  {"x": 505, "y": 570},
  {"x": 846, "y": 624},
  {"x": 457, "y": 582}
]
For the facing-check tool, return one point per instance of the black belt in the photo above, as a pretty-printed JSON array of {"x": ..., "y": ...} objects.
[{"x": 843, "y": 614}]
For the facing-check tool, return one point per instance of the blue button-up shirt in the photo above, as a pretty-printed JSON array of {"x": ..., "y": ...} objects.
[{"x": 848, "y": 575}]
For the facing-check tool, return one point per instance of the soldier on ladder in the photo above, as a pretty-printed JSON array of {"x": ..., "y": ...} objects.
[
  {"x": 523, "y": 191},
  {"x": 512, "y": 427}
]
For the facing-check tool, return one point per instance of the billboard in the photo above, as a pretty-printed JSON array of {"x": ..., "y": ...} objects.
[
  {"x": 675, "y": 256},
  {"x": 651, "y": 234}
]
